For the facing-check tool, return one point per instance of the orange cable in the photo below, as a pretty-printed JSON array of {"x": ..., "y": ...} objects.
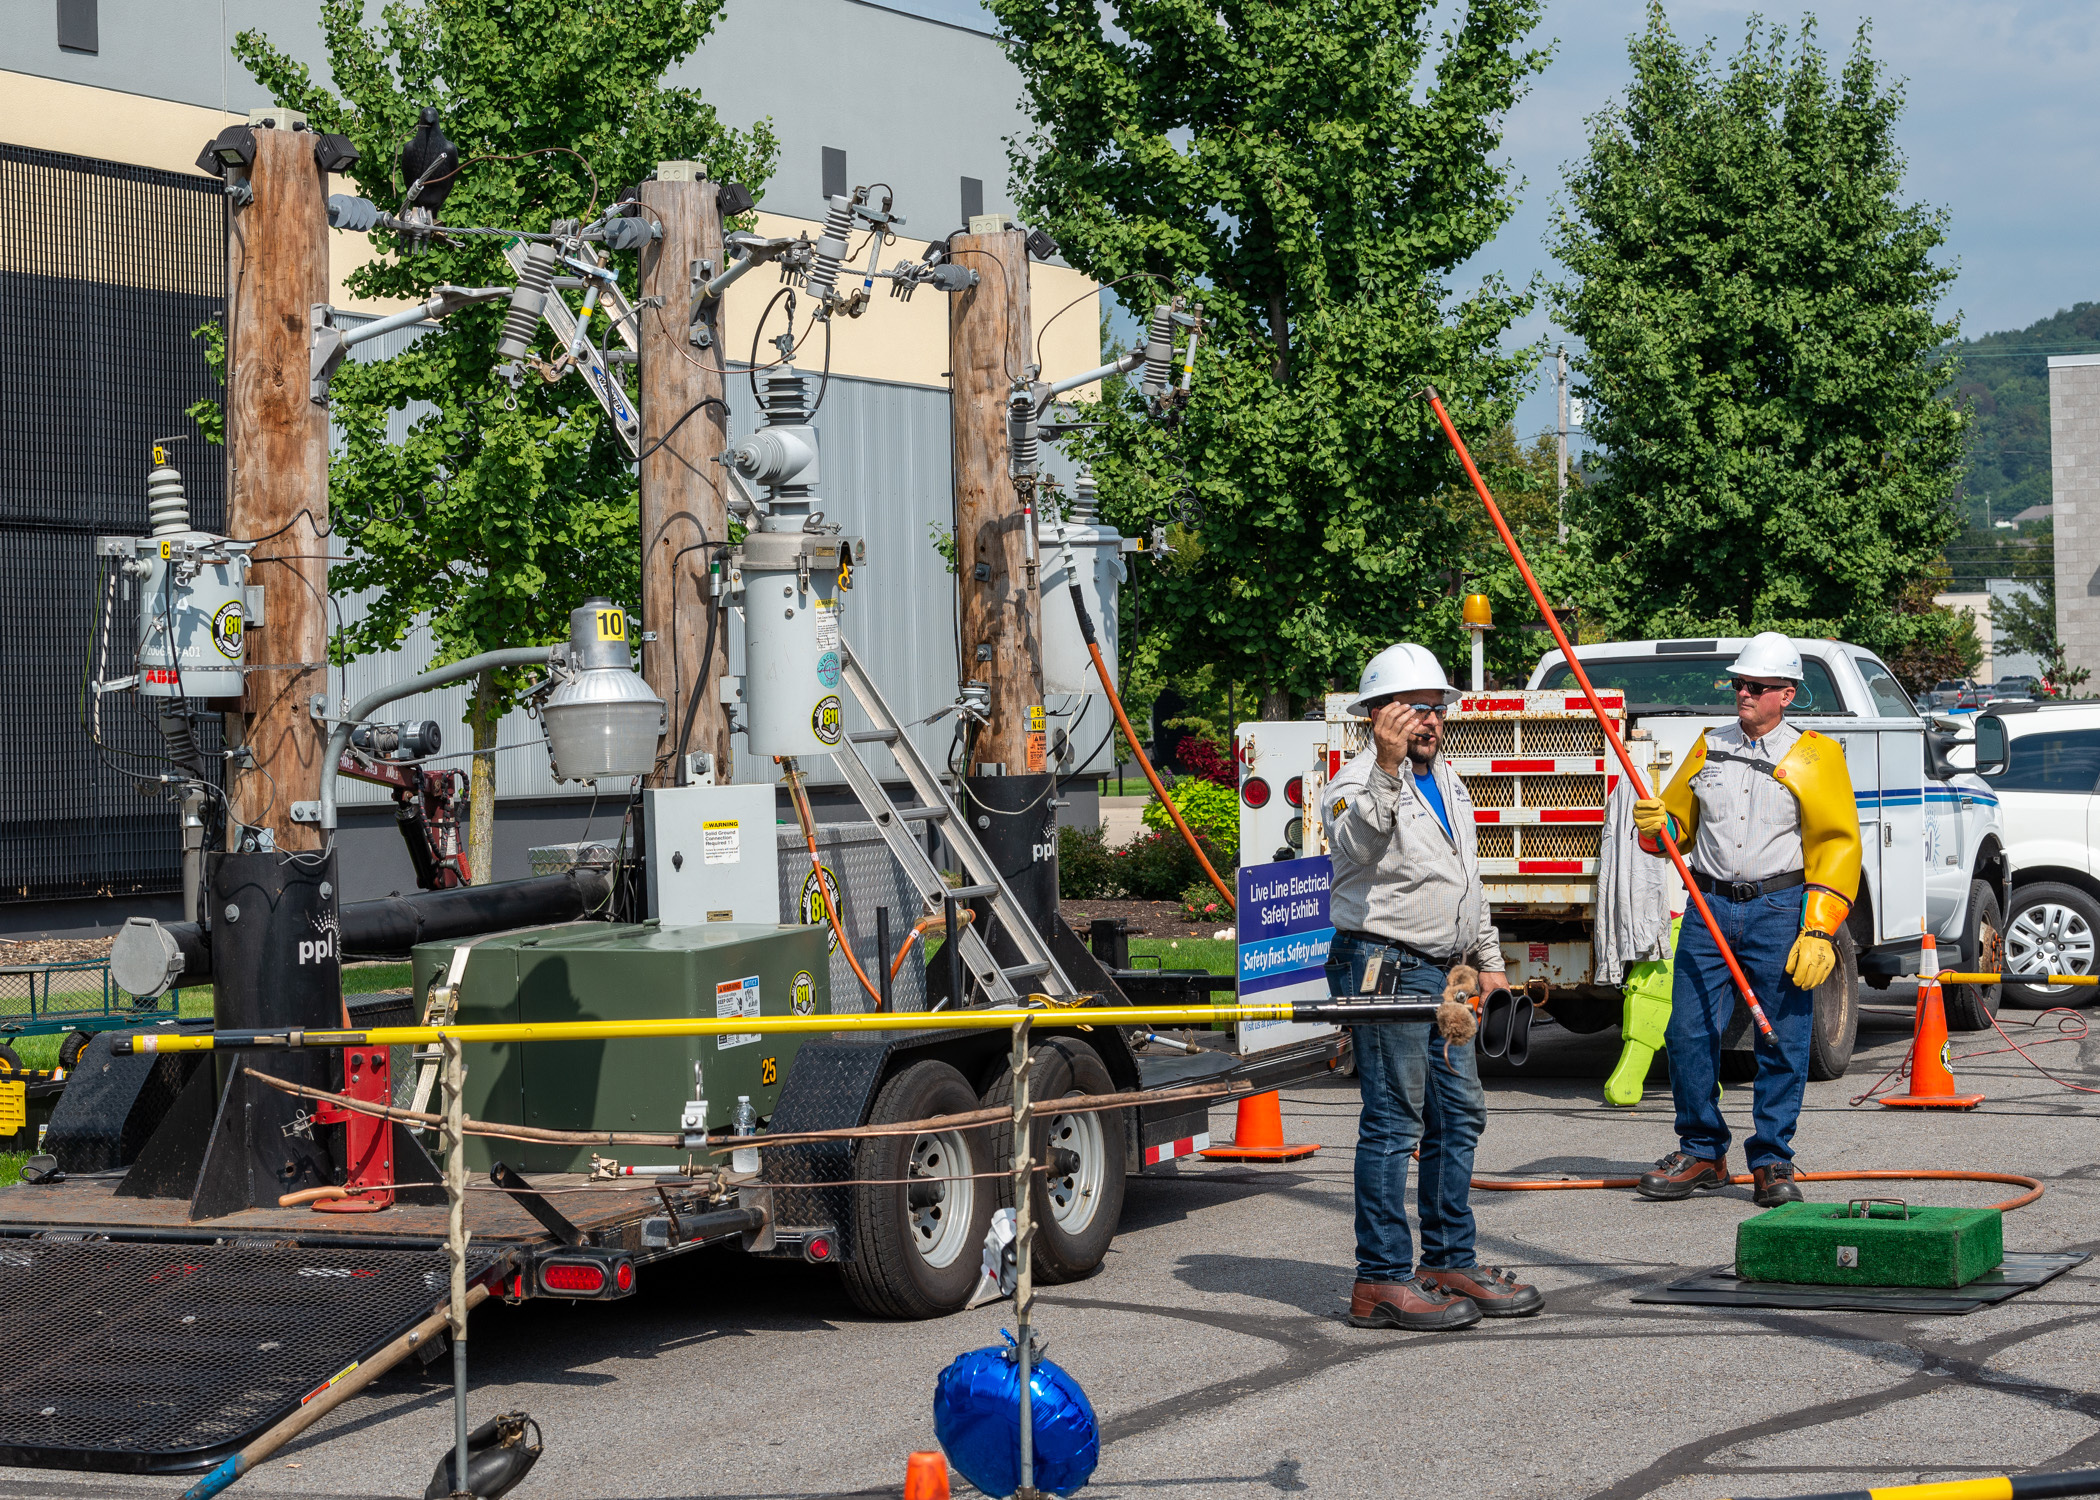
[
  {"x": 816, "y": 865},
  {"x": 1744, "y": 1179},
  {"x": 1130, "y": 738}
]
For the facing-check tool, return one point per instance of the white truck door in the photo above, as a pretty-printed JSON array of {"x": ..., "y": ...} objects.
[
  {"x": 1863, "y": 761},
  {"x": 1901, "y": 909}
]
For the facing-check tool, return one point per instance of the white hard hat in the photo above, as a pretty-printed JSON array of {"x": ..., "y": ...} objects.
[
  {"x": 1768, "y": 654},
  {"x": 1404, "y": 668}
]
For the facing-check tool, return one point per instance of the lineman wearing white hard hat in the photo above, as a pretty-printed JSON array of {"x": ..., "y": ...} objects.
[
  {"x": 1408, "y": 908},
  {"x": 1775, "y": 851}
]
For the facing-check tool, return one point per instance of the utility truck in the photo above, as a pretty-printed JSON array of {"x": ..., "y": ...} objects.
[{"x": 1541, "y": 774}]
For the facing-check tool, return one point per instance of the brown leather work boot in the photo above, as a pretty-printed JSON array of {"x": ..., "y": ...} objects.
[
  {"x": 1412, "y": 1306},
  {"x": 1678, "y": 1176},
  {"x": 1496, "y": 1293},
  {"x": 1773, "y": 1185}
]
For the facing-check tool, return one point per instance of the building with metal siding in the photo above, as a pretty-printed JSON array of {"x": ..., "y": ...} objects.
[{"x": 158, "y": 82}]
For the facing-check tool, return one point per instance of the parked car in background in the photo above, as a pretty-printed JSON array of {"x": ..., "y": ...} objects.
[
  {"x": 2043, "y": 762},
  {"x": 1945, "y": 694},
  {"x": 2019, "y": 685}
]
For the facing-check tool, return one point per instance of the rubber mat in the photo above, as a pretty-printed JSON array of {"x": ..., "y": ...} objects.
[
  {"x": 164, "y": 1358},
  {"x": 1721, "y": 1287}
]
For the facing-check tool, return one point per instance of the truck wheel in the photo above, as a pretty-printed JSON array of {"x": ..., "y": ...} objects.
[
  {"x": 1079, "y": 1201},
  {"x": 2054, "y": 929},
  {"x": 1970, "y": 1007},
  {"x": 1836, "y": 1026},
  {"x": 918, "y": 1246}
]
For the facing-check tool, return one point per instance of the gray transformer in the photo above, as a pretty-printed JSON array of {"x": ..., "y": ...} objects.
[{"x": 193, "y": 598}]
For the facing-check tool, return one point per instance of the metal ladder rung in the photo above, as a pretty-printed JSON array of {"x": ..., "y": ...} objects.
[
  {"x": 1025, "y": 971},
  {"x": 921, "y": 814},
  {"x": 971, "y": 892},
  {"x": 873, "y": 736}
]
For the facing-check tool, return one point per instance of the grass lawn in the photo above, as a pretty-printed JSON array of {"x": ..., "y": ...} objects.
[{"x": 1217, "y": 955}]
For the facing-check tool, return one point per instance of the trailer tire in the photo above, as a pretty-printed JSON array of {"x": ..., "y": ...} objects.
[
  {"x": 919, "y": 1261},
  {"x": 1077, "y": 1212},
  {"x": 1835, "y": 1029},
  {"x": 1971, "y": 1007}
]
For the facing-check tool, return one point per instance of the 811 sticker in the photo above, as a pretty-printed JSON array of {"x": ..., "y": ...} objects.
[
  {"x": 825, "y": 719},
  {"x": 805, "y": 993}
]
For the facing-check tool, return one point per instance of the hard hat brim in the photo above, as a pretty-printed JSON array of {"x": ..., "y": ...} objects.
[
  {"x": 1755, "y": 674},
  {"x": 1355, "y": 706}
]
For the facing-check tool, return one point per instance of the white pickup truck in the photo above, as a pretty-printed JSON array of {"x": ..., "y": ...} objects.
[{"x": 1540, "y": 772}]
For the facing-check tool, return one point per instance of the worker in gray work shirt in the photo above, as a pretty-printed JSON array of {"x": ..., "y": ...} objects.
[
  {"x": 1775, "y": 850},
  {"x": 1408, "y": 907}
]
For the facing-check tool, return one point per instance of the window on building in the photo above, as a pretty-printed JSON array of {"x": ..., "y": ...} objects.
[
  {"x": 972, "y": 198},
  {"x": 2050, "y": 760},
  {"x": 78, "y": 30},
  {"x": 834, "y": 173}
]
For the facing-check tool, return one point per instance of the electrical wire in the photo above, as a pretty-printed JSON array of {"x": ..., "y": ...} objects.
[
  {"x": 423, "y": 182},
  {"x": 800, "y": 798},
  {"x": 2034, "y": 1185},
  {"x": 303, "y": 512},
  {"x": 1006, "y": 316},
  {"x": 1097, "y": 291},
  {"x": 665, "y": 435}
]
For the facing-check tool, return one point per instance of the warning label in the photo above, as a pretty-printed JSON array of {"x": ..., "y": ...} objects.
[
  {"x": 14, "y": 1107},
  {"x": 736, "y": 1000},
  {"x": 721, "y": 842},
  {"x": 827, "y": 625},
  {"x": 1037, "y": 739}
]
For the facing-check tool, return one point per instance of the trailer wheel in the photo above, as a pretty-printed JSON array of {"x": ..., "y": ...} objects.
[
  {"x": 1079, "y": 1202},
  {"x": 1970, "y": 1007},
  {"x": 1835, "y": 1029},
  {"x": 919, "y": 1245}
]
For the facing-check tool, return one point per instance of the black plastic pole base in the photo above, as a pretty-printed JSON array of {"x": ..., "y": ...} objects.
[{"x": 1014, "y": 821}]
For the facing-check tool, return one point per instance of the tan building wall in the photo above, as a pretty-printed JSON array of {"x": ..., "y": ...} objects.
[
  {"x": 905, "y": 342},
  {"x": 2074, "y": 483}
]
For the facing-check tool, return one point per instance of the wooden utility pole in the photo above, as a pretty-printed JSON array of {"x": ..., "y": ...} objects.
[
  {"x": 997, "y": 559},
  {"x": 277, "y": 480},
  {"x": 683, "y": 500}
]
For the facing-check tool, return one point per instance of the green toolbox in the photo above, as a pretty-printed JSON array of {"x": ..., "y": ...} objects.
[
  {"x": 1870, "y": 1242},
  {"x": 592, "y": 971}
]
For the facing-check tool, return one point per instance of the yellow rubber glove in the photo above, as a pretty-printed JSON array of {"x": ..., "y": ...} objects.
[
  {"x": 1649, "y": 816},
  {"x": 1812, "y": 959}
]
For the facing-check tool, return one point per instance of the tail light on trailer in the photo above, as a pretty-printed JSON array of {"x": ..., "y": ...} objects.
[
  {"x": 1294, "y": 791},
  {"x": 818, "y": 1249},
  {"x": 599, "y": 1277},
  {"x": 1255, "y": 792}
]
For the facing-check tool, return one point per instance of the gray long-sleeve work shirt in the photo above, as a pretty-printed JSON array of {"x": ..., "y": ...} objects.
[
  {"x": 1397, "y": 873},
  {"x": 1749, "y": 823}
]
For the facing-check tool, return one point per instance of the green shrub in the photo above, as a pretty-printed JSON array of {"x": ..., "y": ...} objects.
[
  {"x": 1202, "y": 903},
  {"x": 1212, "y": 812},
  {"x": 1085, "y": 867},
  {"x": 1159, "y": 866}
]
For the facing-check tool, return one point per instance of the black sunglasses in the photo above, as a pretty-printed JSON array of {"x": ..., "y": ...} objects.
[
  {"x": 1757, "y": 689},
  {"x": 1439, "y": 709}
]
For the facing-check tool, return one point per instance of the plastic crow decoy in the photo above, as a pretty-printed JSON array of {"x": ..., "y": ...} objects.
[{"x": 429, "y": 164}]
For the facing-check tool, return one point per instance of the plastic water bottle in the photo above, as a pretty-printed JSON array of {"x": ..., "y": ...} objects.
[{"x": 745, "y": 1158}]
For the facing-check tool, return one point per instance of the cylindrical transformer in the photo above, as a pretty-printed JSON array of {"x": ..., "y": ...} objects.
[
  {"x": 192, "y": 618},
  {"x": 793, "y": 679}
]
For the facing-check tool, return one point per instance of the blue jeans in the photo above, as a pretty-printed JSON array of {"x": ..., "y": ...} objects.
[
  {"x": 1702, "y": 999},
  {"x": 1416, "y": 1092}
]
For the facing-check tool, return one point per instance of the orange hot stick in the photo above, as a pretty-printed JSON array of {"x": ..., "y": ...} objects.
[{"x": 1560, "y": 637}]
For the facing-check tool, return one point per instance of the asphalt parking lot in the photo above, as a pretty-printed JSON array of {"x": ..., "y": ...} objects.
[{"x": 1214, "y": 1348}]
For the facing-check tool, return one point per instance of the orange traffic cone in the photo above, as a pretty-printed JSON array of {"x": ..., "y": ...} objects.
[
  {"x": 1931, "y": 1077},
  {"x": 926, "y": 1477},
  {"x": 1258, "y": 1136}
]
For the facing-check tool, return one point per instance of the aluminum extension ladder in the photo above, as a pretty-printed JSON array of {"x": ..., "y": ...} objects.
[{"x": 898, "y": 827}]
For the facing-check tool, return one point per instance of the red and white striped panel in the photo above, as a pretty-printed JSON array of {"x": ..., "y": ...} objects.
[
  {"x": 1527, "y": 765},
  {"x": 1507, "y": 815},
  {"x": 1538, "y": 867},
  {"x": 1555, "y": 701},
  {"x": 1188, "y": 1145}
]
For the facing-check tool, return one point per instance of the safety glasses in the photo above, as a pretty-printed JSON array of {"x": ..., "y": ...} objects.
[
  {"x": 1439, "y": 709},
  {"x": 1756, "y": 689}
]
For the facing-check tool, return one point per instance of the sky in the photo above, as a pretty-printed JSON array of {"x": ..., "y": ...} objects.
[{"x": 1998, "y": 129}]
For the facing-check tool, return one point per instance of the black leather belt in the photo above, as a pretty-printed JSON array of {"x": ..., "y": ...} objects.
[
  {"x": 1748, "y": 890},
  {"x": 1385, "y": 942}
]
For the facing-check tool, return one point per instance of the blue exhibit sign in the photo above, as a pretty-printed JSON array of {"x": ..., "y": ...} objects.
[{"x": 1284, "y": 929}]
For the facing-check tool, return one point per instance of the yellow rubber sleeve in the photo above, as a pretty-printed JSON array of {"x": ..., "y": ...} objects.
[
  {"x": 1815, "y": 772},
  {"x": 1679, "y": 802}
]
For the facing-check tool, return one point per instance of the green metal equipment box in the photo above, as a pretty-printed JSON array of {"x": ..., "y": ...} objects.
[
  {"x": 1877, "y": 1243},
  {"x": 595, "y": 971}
]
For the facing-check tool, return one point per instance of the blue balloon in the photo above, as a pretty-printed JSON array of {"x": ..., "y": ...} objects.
[{"x": 977, "y": 1417}]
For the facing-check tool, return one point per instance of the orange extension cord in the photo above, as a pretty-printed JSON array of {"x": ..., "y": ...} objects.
[
  {"x": 1742, "y": 1179},
  {"x": 816, "y": 865}
]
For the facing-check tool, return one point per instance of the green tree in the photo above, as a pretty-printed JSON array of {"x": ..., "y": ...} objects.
[
  {"x": 2026, "y": 624},
  {"x": 1762, "y": 353},
  {"x": 494, "y": 516},
  {"x": 1306, "y": 171}
]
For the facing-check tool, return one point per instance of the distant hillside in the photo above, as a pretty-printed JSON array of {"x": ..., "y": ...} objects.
[{"x": 2006, "y": 377}]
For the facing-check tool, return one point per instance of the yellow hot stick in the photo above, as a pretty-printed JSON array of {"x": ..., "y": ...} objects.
[
  {"x": 587, "y": 1031},
  {"x": 1948, "y": 977}
]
